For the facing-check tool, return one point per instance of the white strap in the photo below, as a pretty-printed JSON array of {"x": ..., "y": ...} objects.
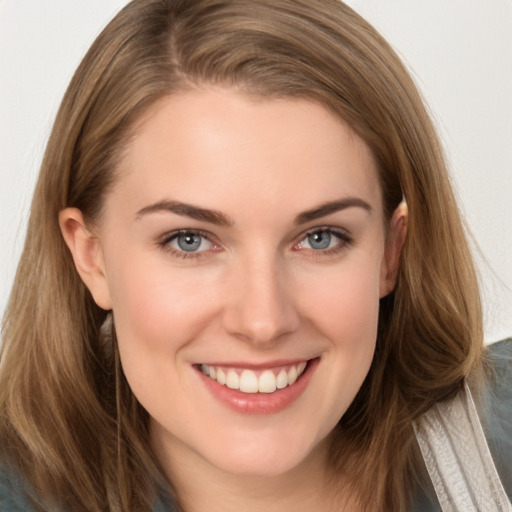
[{"x": 457, "y": 457}]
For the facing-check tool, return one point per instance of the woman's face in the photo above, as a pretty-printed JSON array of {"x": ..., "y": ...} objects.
[{"x": 244, "y": 239}]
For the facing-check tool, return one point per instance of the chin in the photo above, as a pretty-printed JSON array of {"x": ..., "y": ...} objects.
[{"x": 269, "y": 457}]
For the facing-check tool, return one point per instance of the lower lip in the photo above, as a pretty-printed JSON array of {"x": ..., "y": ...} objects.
[{"x": 261, "y": 403}]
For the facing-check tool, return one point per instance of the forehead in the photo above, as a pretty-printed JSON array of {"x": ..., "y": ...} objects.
[{"x": 219, "y": 145}]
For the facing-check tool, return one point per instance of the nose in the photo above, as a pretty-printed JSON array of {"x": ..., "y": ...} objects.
[{"x": 259, "y": 303}]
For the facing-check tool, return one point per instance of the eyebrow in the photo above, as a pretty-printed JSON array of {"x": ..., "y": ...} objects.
[
  {"x": 332, "y": 207},
  {"x": 220, "y": 219},
  {"x": 187, "y": 210}
]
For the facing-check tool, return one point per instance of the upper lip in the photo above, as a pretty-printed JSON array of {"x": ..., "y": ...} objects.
[{"x": 258, "y": 366}]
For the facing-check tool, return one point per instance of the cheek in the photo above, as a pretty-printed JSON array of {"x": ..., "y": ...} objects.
[
  {"x": 344, "y": 302},
  {"x": 344, "y": 310},
  {"x": 158, "y": 312},
  {"x": 152, "y": 301}
]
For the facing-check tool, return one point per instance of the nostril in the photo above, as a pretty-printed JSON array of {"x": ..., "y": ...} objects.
[{"x": 259, "y": 305}]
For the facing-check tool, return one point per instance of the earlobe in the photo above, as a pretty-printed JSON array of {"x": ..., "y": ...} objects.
[
  {"x": 87, "y": 255},
  {"x": 394, "y": 244}
]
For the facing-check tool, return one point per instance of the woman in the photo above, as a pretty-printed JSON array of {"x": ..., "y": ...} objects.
[{"x": 245, "y": 278}]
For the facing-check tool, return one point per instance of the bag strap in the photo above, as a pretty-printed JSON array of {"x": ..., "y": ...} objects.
[{"x": 458, "y": 459}]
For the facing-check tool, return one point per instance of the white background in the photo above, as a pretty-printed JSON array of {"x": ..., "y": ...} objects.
[{"x": 459, "y": 51}]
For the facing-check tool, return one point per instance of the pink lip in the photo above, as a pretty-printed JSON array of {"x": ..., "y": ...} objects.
[
  {"x": 260, "y": 403},
  {"x": 257, "y": 366}
]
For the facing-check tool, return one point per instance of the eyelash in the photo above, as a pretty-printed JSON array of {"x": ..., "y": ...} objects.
[
  {"x": 345, "y": 240},
  {"x": 164, "y": 244}
]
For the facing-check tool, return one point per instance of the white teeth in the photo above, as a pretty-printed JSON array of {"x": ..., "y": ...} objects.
[
  {"x": 282, "y": 379},
  {"x": 292, "y": 375},
  {"x": 221, "y": 376},
  {"x": 267, "y": 382},
  {"x": 232, "y": 380},
  {"x": 249, "y": 382}
]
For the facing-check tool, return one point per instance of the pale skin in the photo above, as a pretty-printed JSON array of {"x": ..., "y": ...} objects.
[{"x": 289, "y": 261}]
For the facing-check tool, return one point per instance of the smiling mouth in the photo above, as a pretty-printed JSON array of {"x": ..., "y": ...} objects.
[{"x": 249, "y": 381}]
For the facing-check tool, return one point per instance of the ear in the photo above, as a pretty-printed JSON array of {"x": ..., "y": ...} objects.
[
  {"x": 87, "y": 255},
  {"x": 394, "y": 243}
]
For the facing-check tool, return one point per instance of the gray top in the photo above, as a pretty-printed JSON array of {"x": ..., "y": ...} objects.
[{"x": 495, "y": 414}]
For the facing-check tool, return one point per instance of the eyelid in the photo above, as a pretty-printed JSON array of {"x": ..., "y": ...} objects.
[
  {"x": 164, "y": 241},
  {"x": 345, "y": 237},
  {"x": 341, "y": 232},
  {"x": 167, "y": 237}
]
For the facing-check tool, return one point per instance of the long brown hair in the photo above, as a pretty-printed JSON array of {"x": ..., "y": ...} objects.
[{"x": 64, "y": 402}]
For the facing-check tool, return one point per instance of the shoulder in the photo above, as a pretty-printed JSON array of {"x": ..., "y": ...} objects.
[
  {"x": 496, "y": 410},
  {"x": 13, "y": 495},
  {"x": 495, "y": 413},
  {"x": 165, "y": 502}
]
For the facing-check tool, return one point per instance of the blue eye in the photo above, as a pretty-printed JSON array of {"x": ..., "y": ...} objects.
[
  {"x": 319, "y": 240},
  {"x": 188, "y": 242},
  {"x": 324, "y": 239}
]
